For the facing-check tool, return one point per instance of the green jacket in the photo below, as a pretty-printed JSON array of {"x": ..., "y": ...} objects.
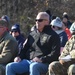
[{"x": 8, "y": 48}]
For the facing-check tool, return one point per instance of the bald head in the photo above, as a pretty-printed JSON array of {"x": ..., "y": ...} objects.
[
  {"x": 43, "y": 15},
  {"x": 42, "y": 20}
]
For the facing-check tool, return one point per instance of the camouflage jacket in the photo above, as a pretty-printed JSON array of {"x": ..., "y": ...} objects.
[{"x": 69, "y": 48}]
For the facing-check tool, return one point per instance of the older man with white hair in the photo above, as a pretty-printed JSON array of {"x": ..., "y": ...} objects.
[{"x": 40, "y": 48}]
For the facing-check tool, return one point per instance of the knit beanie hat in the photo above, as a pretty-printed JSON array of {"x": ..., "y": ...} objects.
[
  {"x": 3, "y": 22},
  {"x": 65, "y": 13},
  {"x": 65, "y": 16},
  {"x": 57, "y": 22},
  {"x": 15, "y": 28},
  {"x": 8, "y": 21},
  {"x": 6, "y": 18}
]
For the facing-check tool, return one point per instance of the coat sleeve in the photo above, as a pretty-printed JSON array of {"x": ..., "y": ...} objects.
[
  {"x": 9, "y": 51},
  {"x": 26, "y": 46}
]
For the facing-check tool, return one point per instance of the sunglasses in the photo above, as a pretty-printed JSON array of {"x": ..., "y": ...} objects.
[
  {"x": 14, "y": 31},
  {"x": 40, "y": 20}
]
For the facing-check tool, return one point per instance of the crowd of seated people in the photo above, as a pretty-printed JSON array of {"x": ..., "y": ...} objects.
[{"x": 45, "y": 50}]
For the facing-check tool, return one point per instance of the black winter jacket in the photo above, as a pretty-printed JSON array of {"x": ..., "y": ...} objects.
[{"x": 44, "y": 45}]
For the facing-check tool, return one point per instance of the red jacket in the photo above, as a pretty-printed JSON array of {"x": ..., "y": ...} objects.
[{"x": 68, "y": 33}]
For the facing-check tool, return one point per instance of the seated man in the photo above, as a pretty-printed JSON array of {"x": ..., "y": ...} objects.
[
  {"x": 8, "y": 46},
  {"x": 16, "y": 33},
  {"x": 66, "y": 63},
  {"x": 40, "y": 48}
]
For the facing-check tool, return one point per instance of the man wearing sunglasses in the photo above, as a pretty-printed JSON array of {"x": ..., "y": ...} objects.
[
  {"x": 16, "y": 33},
  {"x": 40, "y": 48}
]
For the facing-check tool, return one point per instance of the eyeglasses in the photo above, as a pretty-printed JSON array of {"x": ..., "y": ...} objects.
[{"x": 40, "y": 20}]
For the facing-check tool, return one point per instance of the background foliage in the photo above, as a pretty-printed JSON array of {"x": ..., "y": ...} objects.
[{"x": 25, "y": 11}]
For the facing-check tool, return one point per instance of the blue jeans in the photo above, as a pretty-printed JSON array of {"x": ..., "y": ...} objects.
[{"x": 34, "y": 68}]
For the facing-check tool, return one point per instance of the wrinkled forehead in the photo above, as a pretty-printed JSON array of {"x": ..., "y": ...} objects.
[{"x": 43, "y": 15}]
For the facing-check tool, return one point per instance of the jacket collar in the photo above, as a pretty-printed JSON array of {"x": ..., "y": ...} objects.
[{"x": 47, "y": 28}]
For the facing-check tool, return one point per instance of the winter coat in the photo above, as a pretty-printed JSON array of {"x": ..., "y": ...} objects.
[
  {"x": 44, "y": 45},
  {"x": 8, "y": 48}
]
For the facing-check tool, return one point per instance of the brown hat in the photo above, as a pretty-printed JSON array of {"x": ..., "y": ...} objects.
[{"x": 3, "y": 22}]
